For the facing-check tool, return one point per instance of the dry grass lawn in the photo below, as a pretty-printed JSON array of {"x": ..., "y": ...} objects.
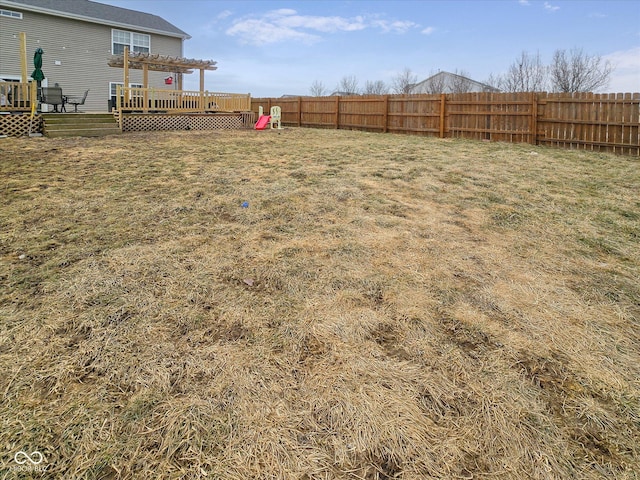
[{"x": 385, "y": 307}]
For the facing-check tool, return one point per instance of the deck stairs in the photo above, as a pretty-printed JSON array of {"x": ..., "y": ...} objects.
[{"x": 79, "y": 124}]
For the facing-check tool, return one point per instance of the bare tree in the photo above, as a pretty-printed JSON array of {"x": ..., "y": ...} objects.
[
  {"x": 348, "y": 85},
  {"x": 377, "y": 87},
  {"x": 495, "y": 81},
  {"x": 318, "y": 89},
  {"x": 526, "y": 74},
  {"x": 403, "y": 82},
  {"x": 575, "y": 71}
]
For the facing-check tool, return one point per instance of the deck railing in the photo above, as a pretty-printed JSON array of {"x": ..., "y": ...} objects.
[
  {"x": 134, "y": 99},
  {"x": 17, "y": 96}
]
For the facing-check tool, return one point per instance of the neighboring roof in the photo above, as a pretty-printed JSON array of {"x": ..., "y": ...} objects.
[
  {"x": 100, "y": 13},
  {"x": 448, "y": 78},
  {"x": 338, "y": 93}
]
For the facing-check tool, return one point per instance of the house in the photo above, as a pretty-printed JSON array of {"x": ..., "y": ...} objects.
[
  {"x": 78, "y": 38},
  {"x": 338, "y": 93},
  {"x": 446, "y": 82}
]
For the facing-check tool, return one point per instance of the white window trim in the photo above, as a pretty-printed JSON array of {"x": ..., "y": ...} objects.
[
  {"x": 131, "y": 85},
  {"x": 131, "y": 33},
  {"x": 10, "y": 14},
  {"x": 17, "y": 78}
]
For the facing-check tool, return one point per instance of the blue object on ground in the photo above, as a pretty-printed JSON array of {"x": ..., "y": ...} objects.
[{"x": 245, "y": 204}]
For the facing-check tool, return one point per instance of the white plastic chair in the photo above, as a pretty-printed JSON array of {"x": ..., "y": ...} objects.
[{"x": 276, "y": 116}]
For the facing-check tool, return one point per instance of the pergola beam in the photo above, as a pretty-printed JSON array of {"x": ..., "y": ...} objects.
[{"x": 161, "y": 63}]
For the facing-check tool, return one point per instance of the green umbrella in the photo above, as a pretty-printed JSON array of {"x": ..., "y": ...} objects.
[
  {"x": 37, "y": 74},
  {"x": 37, "y": 62}
]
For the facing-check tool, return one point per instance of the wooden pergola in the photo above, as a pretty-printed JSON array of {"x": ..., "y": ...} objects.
[
  {"x": 175, "y": 100},
  {"x": 160, "y": 63}
]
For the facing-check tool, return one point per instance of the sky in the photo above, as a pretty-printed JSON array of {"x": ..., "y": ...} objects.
[{"x": 272, "y": 48}]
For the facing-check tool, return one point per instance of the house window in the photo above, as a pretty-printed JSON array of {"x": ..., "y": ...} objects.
[
  {"x": 137, "y": 42},
  {"x": 10, "y": 14}
]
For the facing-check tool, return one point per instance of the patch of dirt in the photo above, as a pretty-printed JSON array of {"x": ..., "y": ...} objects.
[{"x": 389, "y": 338}]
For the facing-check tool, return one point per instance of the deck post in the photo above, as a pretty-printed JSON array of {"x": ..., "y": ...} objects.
[
  {"x": 119, "y": 93},
  {"x": 202, "y": 107},
  {"x": 126, "y": 75},
  {"x": 145, "y": 85},
  {"x": 23, "y": 56}
]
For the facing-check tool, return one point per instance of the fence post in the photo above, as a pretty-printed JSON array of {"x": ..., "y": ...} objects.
[
  {"x": 337, "y": 122},
  {"x": 386, "y": 114},
  {"x": 299, "y": 111},
  {"x": 443, "y": 102},
  {"x": 534, "y": 118}
]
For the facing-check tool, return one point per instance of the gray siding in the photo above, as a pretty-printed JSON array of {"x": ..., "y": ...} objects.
[{"x": 82, "y": 50}]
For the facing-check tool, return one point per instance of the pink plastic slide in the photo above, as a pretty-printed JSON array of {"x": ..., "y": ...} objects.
[{"x": 262, "y": 122}]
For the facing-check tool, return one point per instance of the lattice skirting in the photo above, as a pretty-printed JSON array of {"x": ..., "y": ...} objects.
[
  {"x": 152, "y": 122},
  {"x": 17, "y": 125}
]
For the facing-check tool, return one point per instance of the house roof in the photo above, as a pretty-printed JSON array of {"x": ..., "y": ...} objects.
[
  {"x": 450, "y": 76},
  {"x": 338, "y": 93},
  {"x": 100, "y": 13}
]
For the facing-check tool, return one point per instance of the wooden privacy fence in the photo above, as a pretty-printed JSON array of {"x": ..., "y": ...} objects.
[{"x": 599, "y": 122}]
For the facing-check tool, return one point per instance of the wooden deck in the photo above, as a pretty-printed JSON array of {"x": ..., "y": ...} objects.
[
  {"x": 140, "y": 109},
  {"x": 17, "y": 97}
]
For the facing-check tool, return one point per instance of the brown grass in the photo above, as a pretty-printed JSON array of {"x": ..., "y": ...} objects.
[{"x": 386, "y": 307}]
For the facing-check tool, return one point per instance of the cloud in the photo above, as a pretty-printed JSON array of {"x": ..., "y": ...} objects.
[
  {"x": 286, "y": 24},
  {"x": 320, "y": 24},
  {"x": 224, "y": 14},
  {"x": 524, "y": 2},
  {"x": 551, "y": 8},
  {"x": 395, "y": 26},
  {"x": 281, "y": 12},
  {"x": 428, "y": 30},
  {"x": 627, "y": 59},
  {"x": 261, "y": 31},
  {"x": 626, "y": 73}
]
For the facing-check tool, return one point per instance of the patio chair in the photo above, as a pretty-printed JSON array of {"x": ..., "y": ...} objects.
[
  {"x": 53, "y": 96},
  {"x": 76, "y": 100}
]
